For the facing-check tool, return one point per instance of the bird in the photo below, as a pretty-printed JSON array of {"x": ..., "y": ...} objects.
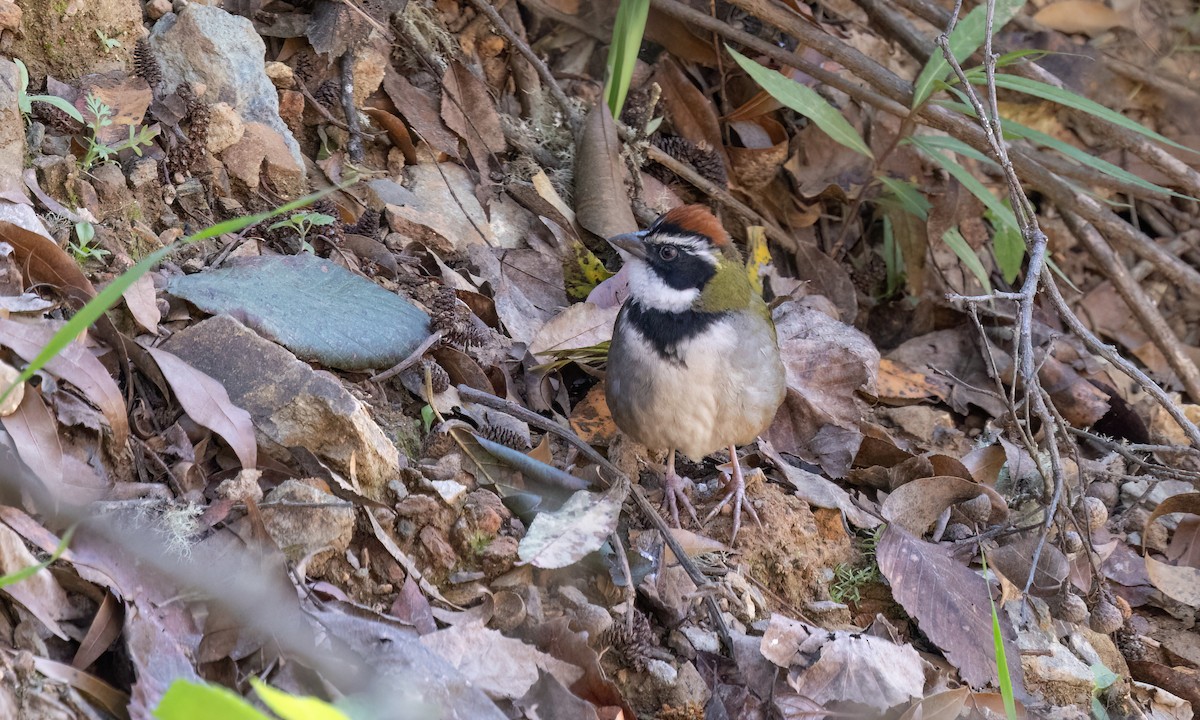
[{"x": 693, "y": 364}]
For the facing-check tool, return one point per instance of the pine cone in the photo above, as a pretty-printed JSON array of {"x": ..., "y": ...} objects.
[
  {"x": 329, "y": 95},
  {"x": 438, "y": 377},
  {"x": 706, "y": 161},
  {"x": 505, "y": 436},
  {"x": 633, "y": 648},
  {"x": 145, "y": 65},
  {"x": 368, "y": 224}
]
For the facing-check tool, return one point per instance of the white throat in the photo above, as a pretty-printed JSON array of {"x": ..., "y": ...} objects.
[{"x": 649, "y": 289}]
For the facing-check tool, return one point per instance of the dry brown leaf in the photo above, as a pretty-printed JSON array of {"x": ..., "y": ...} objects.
[
  {"x": 943, "y": 706},
  {"x": 917, "y": 505},
  {"x": 601, "y": 201},
  {"x": 76, "y": 365},
  {"x": 34, "y": 433},
  {"x": 1179, "y": 582},
  {"x": 139, "y": 298},
  {"x": 898, "y": 383},
  {"x": 39, "y": 593},
  {"x": 826, "y": 362},
  {"x": 689, "y": 111},
  {"x": 109, "y": 698},
  {"x": 207, "y": 403},
  {"x": 396, "y": 131},
  {"x": 1083, "y": 17},
  {"x": 1014, "y": 561},
  {"x": 43, "y": 261},
  {"x": 764, "y": 150},
  {"x": 469, "y": 110},
  {"x": 862, "y": 669},
  {"x": 679, "y": 39},
  {"x": 104, "y": 630},
  {"x": 9, "y": 375},
  {"x": 579, "y": 326},
  {"x": 421, "y": 111},
  {"x": 477, "y": 651},
  {"x": 950, "y": 602},
  {"x": 592, "y": 420},
  {"x": 985, "y": 463}
]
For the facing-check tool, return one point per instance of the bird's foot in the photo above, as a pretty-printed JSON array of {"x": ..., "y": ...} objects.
[
  {"x": 675, "y": 488},
  {"x": 737, "y": 498}
]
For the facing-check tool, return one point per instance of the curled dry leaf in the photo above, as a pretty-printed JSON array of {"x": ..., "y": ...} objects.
[
  {"x": 139, "y": 298},
  {"x": 34, "y": 433},
  {"x": 207, "y": 403},
  {"x": 762, "y": 153},
  {"x": 579, "y": 326},
  {"x": 950, "y": 602},
  {"x": 9, "y": 375},
  {"x": 465, "y": 93},
  {"x": 1179, "y": 582},
  {"x": 76, "y": 365},
  {"x": 1083, "y": 17},
  {"x": 917, "y": 505},
  {"x": 476, "y": 650},
  {"x": 40, "y": 593},
  {"x": 862, "y": 669},
  {"x": 1014, "y": 561},
  {"x": 560, "y": 538},
  {"x": 827, "y": 362},
  {"x": 601, "y": 202}
]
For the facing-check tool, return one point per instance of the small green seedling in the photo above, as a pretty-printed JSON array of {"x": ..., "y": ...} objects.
[
  {"x": 1102, "y": 679},
  {"x": 25, "y": 101},
  {"x": 303, "y": 223},
  {"x": 107, "y": 42},
  {"x": 81, "y": 247},
  {"x": 100, "y": 151}
]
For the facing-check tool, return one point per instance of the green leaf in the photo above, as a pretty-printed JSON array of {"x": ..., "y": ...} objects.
[
  {"x": 186, "y": 700},
  {"x": 893, "y": 260},
  {"x": 1069, "y": 99},
  {"x": 967, "y": 37},
  {"x": 954, "y": 239},
  {"x": 293, "y": 707},
  {"x": 622, "y": 53},
  {"x": 960, "y": 173},
  {"x": 16, "y": 577},
  {"x": 1015, "y": 130},
  {"x": 910, "y": 199},
  {"x": 805, "y": 101},
  {"x": 1103, "y": 678},
  {"x": 1009, "y": 248}
]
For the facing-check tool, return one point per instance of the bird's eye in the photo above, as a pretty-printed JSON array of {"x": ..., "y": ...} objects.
[{"x": 668, "y": 253}]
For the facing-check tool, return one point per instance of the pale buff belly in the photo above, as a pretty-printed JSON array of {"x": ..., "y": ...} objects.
[{"x": 725, "y": 392}]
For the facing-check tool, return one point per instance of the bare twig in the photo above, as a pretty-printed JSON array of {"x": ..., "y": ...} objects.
[
  {"x": 1139, "y": 303},
  {"x": 556, "y": 91},
  {"x": 413, "y": 358},
  {"x": 644, "y": 506},
  {"x": 355, "y": 145}
]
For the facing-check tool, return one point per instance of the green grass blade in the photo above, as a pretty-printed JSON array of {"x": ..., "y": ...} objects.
[
  {"x": 967, "y": 37},
  {"x": 1078, "y": 102},
  {"x": 960, "y": 173},
  {"x": 956, "y": 242},
  {"x": 908, "y": 196},
  {"x": 16, "y": 577},
  {"x": 1006, "y": 686},
  {"x": 805, "y": 101},
  {"x": 1009, "y": 248},
  {"x": 622, "y": 53}
]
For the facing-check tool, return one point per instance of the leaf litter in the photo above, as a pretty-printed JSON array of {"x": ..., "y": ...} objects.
[{"x": 493, "y": 578}]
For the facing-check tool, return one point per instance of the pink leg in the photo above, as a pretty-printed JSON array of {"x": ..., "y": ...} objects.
[
  {"x": 673, "y": 492},
  {"x": 736, "y": 494}
]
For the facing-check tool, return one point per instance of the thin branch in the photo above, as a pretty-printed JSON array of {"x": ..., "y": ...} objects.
[{"x": 556, "y": 91}]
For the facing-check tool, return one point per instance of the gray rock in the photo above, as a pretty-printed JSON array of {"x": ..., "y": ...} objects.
[
  {"x": 291, "y": 403},
  {"x": 315, "y": 522},
  {"x": 207, "y": 45},
  {"x": 12, "y": 131}
]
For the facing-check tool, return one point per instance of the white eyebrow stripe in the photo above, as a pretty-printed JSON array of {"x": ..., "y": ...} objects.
[{"x": 697, "y": 245}]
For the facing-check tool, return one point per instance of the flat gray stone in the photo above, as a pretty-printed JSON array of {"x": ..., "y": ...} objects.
[{"x": 291, "y": 403}]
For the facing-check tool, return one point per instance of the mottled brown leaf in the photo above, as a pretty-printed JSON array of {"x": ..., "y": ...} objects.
[{"x": 950, "y": 602}]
